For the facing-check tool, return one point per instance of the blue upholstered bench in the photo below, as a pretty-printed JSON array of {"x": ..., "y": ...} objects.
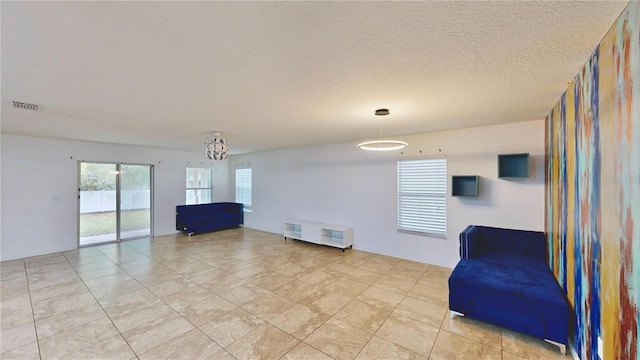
[{"x": 503, "y": 279}]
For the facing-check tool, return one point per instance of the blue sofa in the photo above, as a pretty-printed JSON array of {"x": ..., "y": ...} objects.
[
  {"x": 503, "y": 279},
  {"x": 208, "y": 217}
]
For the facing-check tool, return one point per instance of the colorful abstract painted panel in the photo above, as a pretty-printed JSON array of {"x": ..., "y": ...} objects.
[{"x": 593, "y": 193}]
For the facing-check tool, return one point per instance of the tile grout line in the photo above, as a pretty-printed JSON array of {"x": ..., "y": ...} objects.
[
  {"x": 301, "y": 341},
  {"x": 188, "y": 254},
  {"x": 389, "y": 316},
  {"x": 469, "y": 338},
  {"x": 300, "y": 302},
  {"x": 174, "y": 310},
  {"x": 145, "y": 287},
  {"x": 100, "y": 304},
  {"x": 385, "y": 320},
  {"x": 159, "y": 298},
  {"x": 394, "y": 309},
  {"x": 33, "y": 314},
  {"x": 133, "y": 277}
]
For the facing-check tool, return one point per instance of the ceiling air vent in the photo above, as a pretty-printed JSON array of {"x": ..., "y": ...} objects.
[{"x": 25, "y": 106}]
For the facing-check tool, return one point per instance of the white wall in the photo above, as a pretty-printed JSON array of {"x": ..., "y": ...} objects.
[
  {"x": 39, "y": 179},
  {"x": 333, "y": 183},
  {"x": 344, "y": 185}
]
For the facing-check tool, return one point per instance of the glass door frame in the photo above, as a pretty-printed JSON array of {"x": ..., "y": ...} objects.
[{"x": 118, "y": 210}]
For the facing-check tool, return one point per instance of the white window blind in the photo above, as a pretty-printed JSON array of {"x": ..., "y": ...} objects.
[
  {"x": 243, "y": 187},
  {"x": 422, "y": 196}
]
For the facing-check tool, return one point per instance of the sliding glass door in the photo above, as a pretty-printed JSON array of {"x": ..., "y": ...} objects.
[
  {"x": 98, "y": 203},
  {"x": 135, "y": 201},
  {"x": 114, "y": 202}
]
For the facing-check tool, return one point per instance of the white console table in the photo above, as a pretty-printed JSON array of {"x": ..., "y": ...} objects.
[{"x": 319, "y": 233}]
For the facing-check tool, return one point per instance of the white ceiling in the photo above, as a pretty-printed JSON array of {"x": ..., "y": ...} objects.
[{"x": 272, "y": 75}]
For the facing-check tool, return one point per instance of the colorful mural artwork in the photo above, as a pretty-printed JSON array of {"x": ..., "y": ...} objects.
[{"x": 593, "y": 194}]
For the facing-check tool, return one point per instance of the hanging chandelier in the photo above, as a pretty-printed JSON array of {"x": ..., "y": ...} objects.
[
  {"x": 216, "y": 147},
  {"x": 382, "y": 145}
]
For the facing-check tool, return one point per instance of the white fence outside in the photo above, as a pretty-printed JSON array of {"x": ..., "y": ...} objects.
[{"x": 105, "y": 200}]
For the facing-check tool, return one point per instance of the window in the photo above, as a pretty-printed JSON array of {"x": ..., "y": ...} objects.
[
  {"x": 422, "y": 196},
  {"x": 199, "y": 186},
  {"x": 243, "y": 187}
]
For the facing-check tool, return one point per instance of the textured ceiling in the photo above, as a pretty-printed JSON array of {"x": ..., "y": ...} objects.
[{"x": 272, "y": 75}]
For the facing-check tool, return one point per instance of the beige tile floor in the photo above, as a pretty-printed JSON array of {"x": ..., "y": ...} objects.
[{"x": 238, "y": 294}]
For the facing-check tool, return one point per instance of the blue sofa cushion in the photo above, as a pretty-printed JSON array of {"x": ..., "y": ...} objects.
[
  {"x": 490, "y": 240},
  {"x": 517, "y": 292},
  {"x": 503, "y": 279}
]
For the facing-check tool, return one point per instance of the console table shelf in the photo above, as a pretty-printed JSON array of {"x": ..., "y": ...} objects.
[
  {"x": 293, "y": 230},
  {"x": 319, "y": 233}
]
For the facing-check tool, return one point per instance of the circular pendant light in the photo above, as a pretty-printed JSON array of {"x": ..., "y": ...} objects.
[{"x": 382, "y": 145}]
